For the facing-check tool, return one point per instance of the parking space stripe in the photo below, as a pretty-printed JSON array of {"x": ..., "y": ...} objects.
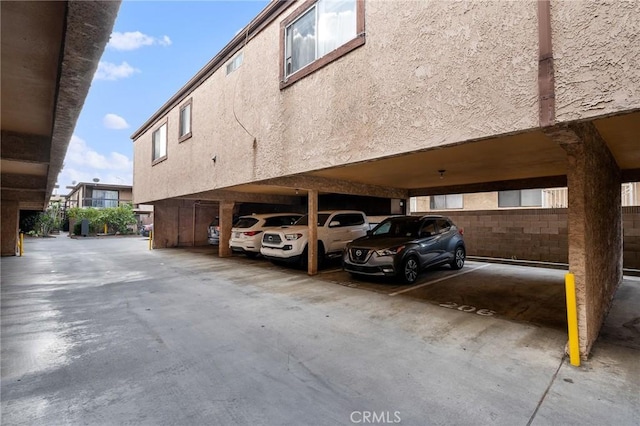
[
  {"x": 329, "y": 271},
  {"x": 395, "y": 293}
]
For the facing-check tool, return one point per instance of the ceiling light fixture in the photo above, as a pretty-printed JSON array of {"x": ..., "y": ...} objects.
[{"x": 441, "y": 171}]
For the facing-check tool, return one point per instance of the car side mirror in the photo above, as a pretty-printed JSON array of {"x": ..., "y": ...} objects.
[
  {"x": 334, "y": 223},
  {"x": 369, "y": 232}
]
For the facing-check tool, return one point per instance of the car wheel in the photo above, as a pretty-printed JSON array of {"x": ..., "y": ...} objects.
[
  {"x": 410, "y": 270},
  {"x": 304, "y": 257},
  {"x": 458, "y": 258}
]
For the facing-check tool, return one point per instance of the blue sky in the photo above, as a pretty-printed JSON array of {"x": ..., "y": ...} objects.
[{"x": 155, "y": 48}]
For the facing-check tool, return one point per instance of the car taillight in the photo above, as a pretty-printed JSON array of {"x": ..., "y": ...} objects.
[
  {"x": 461, "y": 231},
  {"x": 252, "y": 233}
]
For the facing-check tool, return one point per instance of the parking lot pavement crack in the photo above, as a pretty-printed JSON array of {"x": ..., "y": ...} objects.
[{"x": 546, "y": 391}]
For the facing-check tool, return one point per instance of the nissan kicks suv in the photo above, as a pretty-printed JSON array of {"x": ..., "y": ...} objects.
[{"x": 402, "y": 246}]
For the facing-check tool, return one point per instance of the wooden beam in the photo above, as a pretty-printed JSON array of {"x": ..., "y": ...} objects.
[
  {"x": 337, "y": 186},
  {"x": 505, "y": 185},
  {"x": 241, "y": 197},
  {"x": 312, "y": 241},
  {"x": 25, "y": 147}
]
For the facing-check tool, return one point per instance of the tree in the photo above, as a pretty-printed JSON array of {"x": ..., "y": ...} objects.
[
  {"x": 117, "y": 219},
  {"x": 48, "y": 220}
]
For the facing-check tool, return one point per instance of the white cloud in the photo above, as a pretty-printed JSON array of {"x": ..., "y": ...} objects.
[
  {"x": 83, "y": 164},
  {"x": 114, "y": 121},
  {"x": 79, "y": 153},
  {"x": 110, "y": 71},
  {"x": 135, "y": 40}
]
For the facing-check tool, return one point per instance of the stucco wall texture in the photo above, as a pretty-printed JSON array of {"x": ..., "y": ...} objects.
[
  {"x": 596, "y": 49},
  {"x": 430, "y": 74}
]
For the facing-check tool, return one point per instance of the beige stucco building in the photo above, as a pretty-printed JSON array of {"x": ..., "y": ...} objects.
[{"x": 385, "y": 98}]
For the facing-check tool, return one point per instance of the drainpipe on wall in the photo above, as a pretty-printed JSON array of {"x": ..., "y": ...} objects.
[{"x": 546, "y": 79}]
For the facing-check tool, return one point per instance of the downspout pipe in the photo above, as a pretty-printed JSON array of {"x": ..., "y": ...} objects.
[{"x": 546, "y": 78}]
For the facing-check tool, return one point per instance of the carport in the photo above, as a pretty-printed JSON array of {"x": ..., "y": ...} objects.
[
  {"x": 592, "y": 158},
  {"x": 504, "y": 132}
]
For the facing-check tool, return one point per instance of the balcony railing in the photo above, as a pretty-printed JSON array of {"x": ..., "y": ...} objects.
[{"x": 98, "y": 203}]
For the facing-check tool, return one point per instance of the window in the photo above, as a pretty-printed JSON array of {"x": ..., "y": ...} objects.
[
  {"x": 103, "y": 198},
  {"x": 319, "y": 32},
  {"x": 348, "y": 219},
  {"x": 429, "y": 228},
  {"x": 520, "y": 198},
  {"x": 235, "y": 63},
  {"x": 185, "y": 121},
  {"x": 443, "y": 226},
  {"x": 281, "y": 221},
  {"x": 159, "y": 142},
  {"x": 449, "y": 201},
  {"x": 322, "y": 219}
]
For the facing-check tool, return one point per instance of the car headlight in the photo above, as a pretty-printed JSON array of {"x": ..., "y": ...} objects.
[
  {"x": 292, "y": 237},
  {"x": 390, "y": 251}
]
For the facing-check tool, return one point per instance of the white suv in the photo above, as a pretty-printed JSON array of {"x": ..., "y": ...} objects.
[
  {"x": 246, "y": 233},
  {"x": 335, "y": 230}
]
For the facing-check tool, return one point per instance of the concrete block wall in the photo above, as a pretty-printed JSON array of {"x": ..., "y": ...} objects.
[
  {"x": 533, "y": 234},
  {"x": 631, "y": 236}
]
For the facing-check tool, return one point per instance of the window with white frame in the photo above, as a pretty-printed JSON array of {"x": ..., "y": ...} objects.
[
  {"x": 318, "y": 30},
  {"x": 449, "y": 201},
  {"x": 185, "y": 121},
  {"x": 235, "y": 63},
  {"x": 520, "y": 198},
  {"x": 159, "y": 142}
]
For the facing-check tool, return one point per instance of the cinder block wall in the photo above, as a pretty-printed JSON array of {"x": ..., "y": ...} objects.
[
  {"x": 631, "y": 236},
  {"x": 533, "y": 234}
]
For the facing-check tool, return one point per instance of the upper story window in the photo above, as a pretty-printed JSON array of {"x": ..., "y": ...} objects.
[
  {"x": 319, "y": 32},
  {"x": 103, "y": 198},
  {"x": 159, "y": 142},
  {"x": 235, "y": 63},
  {"x": 520, "y": 198},
  {"x": 185, "y": 121}
]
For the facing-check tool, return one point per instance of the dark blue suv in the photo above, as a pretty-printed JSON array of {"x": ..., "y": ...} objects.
[{"x": 402, "y": 246}]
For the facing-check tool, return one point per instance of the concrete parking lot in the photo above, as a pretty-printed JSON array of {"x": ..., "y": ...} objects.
[{"x": 104, "y": 331}]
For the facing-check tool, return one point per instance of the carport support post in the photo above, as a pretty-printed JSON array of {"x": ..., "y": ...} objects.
[
  {"x": 594, "y": 225},
  {"x": 312, "y": 251},
  {"x": 10, "y": 222},
  {"x": 226, "y": 221}
]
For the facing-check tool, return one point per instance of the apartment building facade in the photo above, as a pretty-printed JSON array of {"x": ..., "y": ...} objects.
[{"x": 405, "y": 99}]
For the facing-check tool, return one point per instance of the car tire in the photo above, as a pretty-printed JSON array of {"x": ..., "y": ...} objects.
[
  {"x": 304, "y": 258},
  {"x": 458, "y": 258},
  {"x": 410, "y": 270}
]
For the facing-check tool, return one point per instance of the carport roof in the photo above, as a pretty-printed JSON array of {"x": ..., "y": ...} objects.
[{"x": 50, "y": 51}]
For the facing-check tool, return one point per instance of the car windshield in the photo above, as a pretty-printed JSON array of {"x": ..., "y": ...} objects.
[
  {"x": 322, "y": 219},
  {"x": 398, "y": 227},
  {"x": 245, "y": 222}
]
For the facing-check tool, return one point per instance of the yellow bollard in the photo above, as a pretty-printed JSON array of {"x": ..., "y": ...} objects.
[
  {"x": 21, "y": 244},
  {"x": 150, "y": 240},
  {"x": 572, "y": 320},
  {"x": 105, "y": 228}
]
